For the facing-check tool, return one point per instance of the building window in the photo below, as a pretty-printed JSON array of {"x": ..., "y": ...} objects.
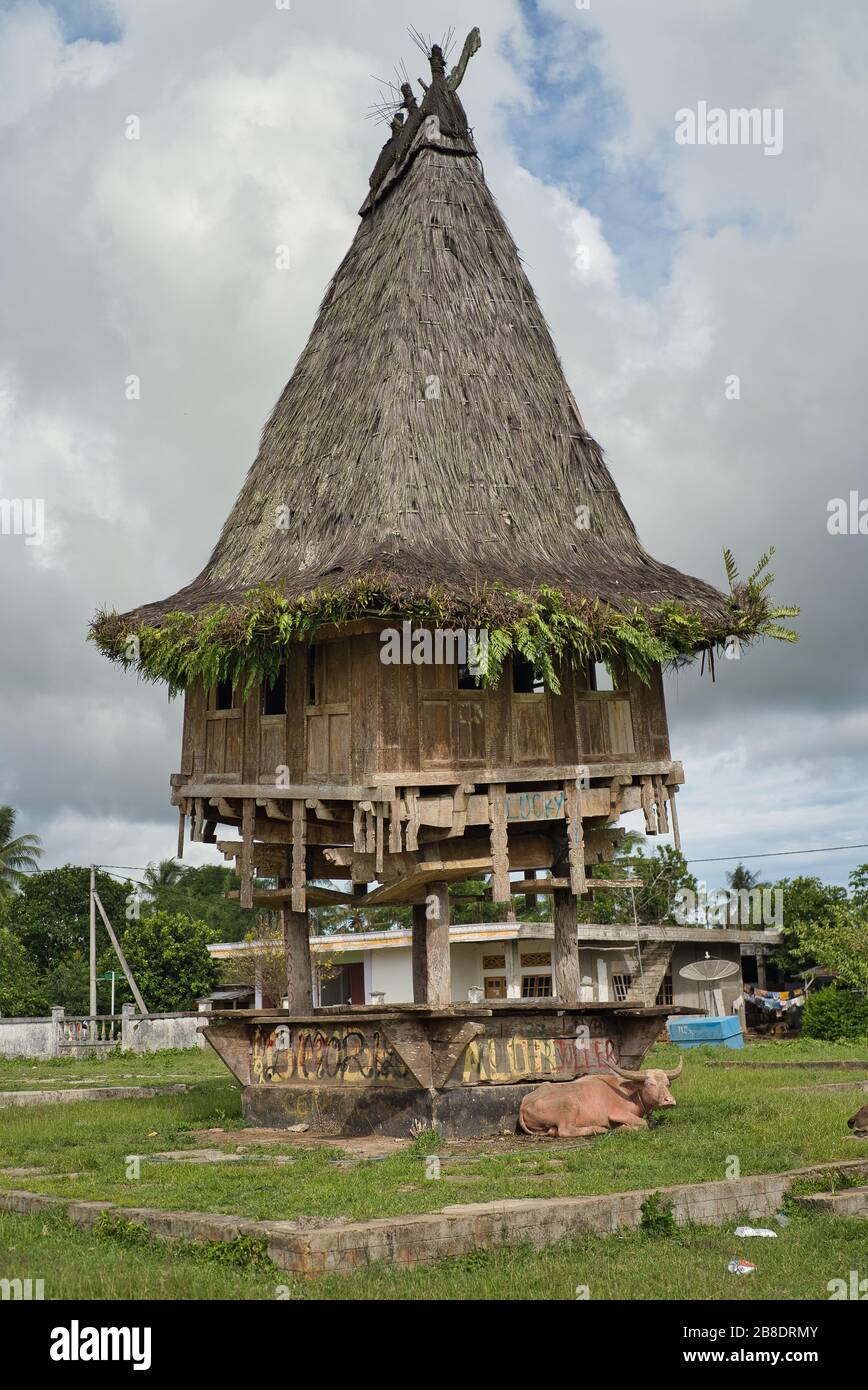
[
  {"x": 536, "y": 986},
  {"x": 664, "y": 993},
  {"x": 599, "y": 677},
  {"x": 495, "y": 987},
  {"x": 621, "y": 985},
  {"x": 524, "y": 679},
  {"x": 537, "y": 958},
  {"x": 224, "y": 695},
  {"x": 274, "y": 695},
  {"x": 494, "y": 962}
]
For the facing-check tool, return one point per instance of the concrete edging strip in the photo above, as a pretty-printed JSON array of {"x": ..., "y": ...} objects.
[
  {"x": 342, "y": 1247},
  {"x": 13, "y": 1098}
]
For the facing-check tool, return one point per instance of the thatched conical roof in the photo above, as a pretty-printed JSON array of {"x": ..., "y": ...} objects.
[{"x": 427, "y": 439}]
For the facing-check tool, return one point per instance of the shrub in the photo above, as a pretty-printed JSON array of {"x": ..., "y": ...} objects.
[{"x": 835, "y": 1015}]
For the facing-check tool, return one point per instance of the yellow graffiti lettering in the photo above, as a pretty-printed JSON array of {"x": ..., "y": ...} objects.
[
  {"x": 496, "y": 1074},
  {"x": 473, "y": 1063}
]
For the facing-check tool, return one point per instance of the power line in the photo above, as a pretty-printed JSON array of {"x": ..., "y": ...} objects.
[{"x": 774, "y": 854}]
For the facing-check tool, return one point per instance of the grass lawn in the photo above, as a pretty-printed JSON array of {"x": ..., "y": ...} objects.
[
  {"x": 689, "y": 1264},
  {"x": 723, "y": 1111},
  {"x": 112, "y": 1069}
]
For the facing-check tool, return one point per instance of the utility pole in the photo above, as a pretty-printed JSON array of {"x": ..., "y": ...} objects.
[{"x": 92, "y": 940}]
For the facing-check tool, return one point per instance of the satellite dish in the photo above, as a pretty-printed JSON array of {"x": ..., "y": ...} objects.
[{"x": 708, "y": 970}]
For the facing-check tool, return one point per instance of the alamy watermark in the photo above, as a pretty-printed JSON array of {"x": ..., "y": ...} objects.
[
  {"x": 738, "y": 126},
  {"x": 435, "y": 647},
  {"x": 847, "y": 516},
  {"x": 729, "y": 907},
  {"x": 22, "y": 1290},
  {"x": 23, "y": 516}
]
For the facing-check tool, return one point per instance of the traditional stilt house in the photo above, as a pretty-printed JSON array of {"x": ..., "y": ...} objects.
[{"x": 428, "y": 643}]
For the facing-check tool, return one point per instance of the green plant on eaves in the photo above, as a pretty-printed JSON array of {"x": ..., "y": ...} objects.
[
  {"x": 247, "y": 641},
  {"x": 751, "y": 609}
]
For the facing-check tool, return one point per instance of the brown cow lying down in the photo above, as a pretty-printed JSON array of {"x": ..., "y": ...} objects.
[
  {"x": 859, "y": 1123},
  {"x": 595, "y": 1104}
]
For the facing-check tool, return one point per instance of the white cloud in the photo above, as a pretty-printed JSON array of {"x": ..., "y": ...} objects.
[{"x": 156, "y": 257}]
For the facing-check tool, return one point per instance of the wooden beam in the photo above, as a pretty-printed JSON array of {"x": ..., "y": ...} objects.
[
  {"x": 673, "y": 809},
  {"x": 282, "y": 897}
]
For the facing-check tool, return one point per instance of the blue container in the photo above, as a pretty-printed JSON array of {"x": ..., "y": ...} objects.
[{"x": 706, "y": 1032}]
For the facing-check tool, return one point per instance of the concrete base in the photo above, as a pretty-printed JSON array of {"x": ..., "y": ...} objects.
[
  {"x": 467, "y": 1112},
  {"x": 363, "y": 1070}
]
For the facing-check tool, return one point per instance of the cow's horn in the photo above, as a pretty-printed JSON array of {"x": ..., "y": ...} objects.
[
  {"x": 628, "y": 1075},
  {"x": 677, "y": 1072}
]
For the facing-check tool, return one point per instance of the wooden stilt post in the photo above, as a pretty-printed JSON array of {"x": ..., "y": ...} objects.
[
  {"x": 566, "y": 971},
  {"x": 296, "y": 945},
  {"x": 432, "y": 975}
]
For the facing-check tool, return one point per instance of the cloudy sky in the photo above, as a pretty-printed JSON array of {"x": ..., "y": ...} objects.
[{"x": 156, "y": 257}]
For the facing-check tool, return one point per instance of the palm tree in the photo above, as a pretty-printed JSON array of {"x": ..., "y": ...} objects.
[
  {"x": 740, "y": 880},
  {"x": 740, "y": 877},
  {"x": 164, "y": 874},
  {"x": 18, "y": 856}
]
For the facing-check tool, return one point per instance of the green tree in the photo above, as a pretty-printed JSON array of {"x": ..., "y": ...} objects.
[
  {"x": 51, "y": 914},
  {"x": 200, "y": 892},
  {"x": 19, "y": 855},
  {"x": 805, "y": 899},
  {"x": 168, "y": 955},
  {"x": 21, "y": 992},
  {"x": 165, "y": 873},
  {"x": 838, "y": 943},
  {"x": 664, "y": 873},
  {"x": 68, "y": 984},
  {"x": 859, "y": 885}
]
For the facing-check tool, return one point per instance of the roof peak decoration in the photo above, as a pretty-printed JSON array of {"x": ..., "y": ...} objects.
[
  {"x": 427, "y": 460},
  {"x": 439, "y": 122}
]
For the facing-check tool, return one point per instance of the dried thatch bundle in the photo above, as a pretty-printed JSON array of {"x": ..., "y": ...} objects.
[{"x": 427, "y": 458}]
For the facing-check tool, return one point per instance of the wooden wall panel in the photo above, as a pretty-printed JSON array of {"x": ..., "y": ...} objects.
[
  {"x": 409, "y": 714},
  {"x": 620, "y": 726},
  {"x": 317, "y": 751},
  {"x": 498, "y": 721},
  {"x": 234, "y": 730},
  {"x": 193, "y": 736},
  {"x": 215, "y": 745},
  {"x": 250, "y": 716},
  {"x": 563, "y": 716},
  {"x": 435, "y": 732},
  {"x": 469, "y": 729},
  {"x": 339, "y": 745},
  {"x": 364, "y": 707},
  {"x": 531, "y": 729},
  {"x": 389, "y": 687},
  {"x": 592, "y": 734},
  {"x": 272, "y": 747},
  {"x": 657, "y": 716}
]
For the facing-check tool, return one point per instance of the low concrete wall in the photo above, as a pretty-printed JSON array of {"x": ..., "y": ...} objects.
[
  {"x": 27, "y": 1037},
  {"x": 46, "y": 1037},
  {"x": 157, "y": 1031}
]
